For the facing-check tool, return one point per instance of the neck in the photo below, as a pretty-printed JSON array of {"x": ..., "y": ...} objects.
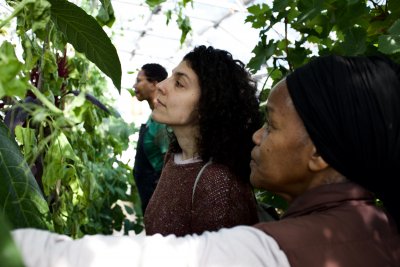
[
  {"x": 151, "y": 103},
  {"x": 326, "y": 176},
  {"x": 187, "y": 140}
]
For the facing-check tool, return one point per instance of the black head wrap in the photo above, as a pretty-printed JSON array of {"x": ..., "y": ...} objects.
[{"x": 350, "y": 107}]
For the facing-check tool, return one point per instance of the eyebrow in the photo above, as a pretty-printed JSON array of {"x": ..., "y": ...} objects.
[
  {"x": 269, "y": 109},
  {"x": 181, "y": 74}
]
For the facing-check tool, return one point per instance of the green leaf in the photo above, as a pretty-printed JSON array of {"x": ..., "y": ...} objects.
[
  {"x": 10, "y": 68},
  {"x": 87, "y": 36},
  {"x": 280, "y": 5},
  {"x": 262, "y": 54},
  {"x": 20, "y": 196},
  {"x": 26, "y": 137},
  {"x": 390, "y": 43},
  {"x": 271, "y": 199},
  {"x": 354, "y": 41},
  {"x": 41, "y": 16},
  {"x": 395, "y": 28},
  {"x": 9, "y": 254},
  {"x": 309, "y": 9},
  {"x": 260, "y": 17},
  {"x": 347, "y": 16},
  {"x": 106, "y": 14},
  {"x": 184, "y": 26},
  {"x": 298, "y": 56},
  {"x": 258, "y": 9},
  {"x": 394, "y": 7},
  {"x": 153, "y": 3},
  {"x": 59, "y": 152},
  {"x": 185, "y": 2},
  {"x": 352, "y": 2}
]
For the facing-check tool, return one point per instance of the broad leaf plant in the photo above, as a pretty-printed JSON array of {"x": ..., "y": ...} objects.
[{"x": 61, "y": 140}]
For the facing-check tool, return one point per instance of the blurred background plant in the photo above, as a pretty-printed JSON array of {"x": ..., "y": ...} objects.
[{"x": 57, "y": 107}]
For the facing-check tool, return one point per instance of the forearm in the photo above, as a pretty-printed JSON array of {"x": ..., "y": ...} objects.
[{"x": 242, "y": 246}]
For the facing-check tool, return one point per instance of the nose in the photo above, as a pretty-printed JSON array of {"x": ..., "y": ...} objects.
[
  {"x": 257, "y": 136},
  {"x": 161, "y": 86}
]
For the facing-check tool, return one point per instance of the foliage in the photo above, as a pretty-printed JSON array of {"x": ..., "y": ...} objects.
[
  {"x": 183, "y": 22},
  {"x": 9, "y": 254},
  {"x": 52, "y": 101},
  {"x": 20, "y": 195},
  {"x": 313, "y": 28}
]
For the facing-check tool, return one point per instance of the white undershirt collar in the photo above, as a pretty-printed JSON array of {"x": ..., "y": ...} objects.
[{"x": 178, "y": 159}]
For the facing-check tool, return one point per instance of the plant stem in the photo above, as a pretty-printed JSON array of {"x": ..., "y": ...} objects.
[
  {"x": 45, "y": 101},
  {"x": 16, "y": 11}
]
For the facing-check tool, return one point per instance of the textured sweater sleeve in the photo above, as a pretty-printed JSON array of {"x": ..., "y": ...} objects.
[{"x": 239, "y": 246}]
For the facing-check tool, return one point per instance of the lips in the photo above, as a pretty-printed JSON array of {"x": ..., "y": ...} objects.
[
  {"x": 160, "y": 102},
  {"x": 252, "y": 161}
]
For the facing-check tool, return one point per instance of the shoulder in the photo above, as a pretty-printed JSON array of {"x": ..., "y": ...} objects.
[
  {"x": 218, "y": 172},
  {"x": 169, "y": 158},
  {"x": 219, "y": 168},
  {"x": 217, "y": 177}
]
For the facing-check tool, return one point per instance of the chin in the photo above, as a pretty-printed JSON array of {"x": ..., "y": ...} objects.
[
  {"x": 253, "y": 180},
  {"x": 157, "y": 117}
]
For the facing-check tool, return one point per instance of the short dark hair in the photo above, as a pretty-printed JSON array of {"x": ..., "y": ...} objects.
[
  {"x": 228, "y": 109},
  {"x": 154, "y": 72}
]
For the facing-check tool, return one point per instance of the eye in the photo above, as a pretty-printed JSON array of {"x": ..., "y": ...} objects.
[
  {"x": 178, "y": 83},
  {"x": 267, "y": 125}
]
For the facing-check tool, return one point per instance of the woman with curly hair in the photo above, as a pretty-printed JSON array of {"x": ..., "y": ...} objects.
[{"x": 210, "y": 104}]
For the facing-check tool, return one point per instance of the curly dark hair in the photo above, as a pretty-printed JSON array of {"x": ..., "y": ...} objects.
[
  {"x": 228, "y": 109},
  {"x": 154, "y": 72}
]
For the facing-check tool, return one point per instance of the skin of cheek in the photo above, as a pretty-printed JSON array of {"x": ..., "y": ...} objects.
[
  {"x": 181, "y": 111},
  {"x": 281, "y": 166}
]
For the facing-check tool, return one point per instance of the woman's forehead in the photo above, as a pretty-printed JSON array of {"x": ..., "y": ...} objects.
[
  {"x": 184, "y": 70},
  {"x": 280, "y": 103},
  {"x": 279, "y": 97}
]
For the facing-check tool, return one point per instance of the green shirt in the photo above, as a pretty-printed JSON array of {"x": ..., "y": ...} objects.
[{"x": 155, "y": 143}]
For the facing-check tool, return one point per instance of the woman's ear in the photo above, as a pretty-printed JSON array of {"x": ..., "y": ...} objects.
[{"x": 316, "y": 162}]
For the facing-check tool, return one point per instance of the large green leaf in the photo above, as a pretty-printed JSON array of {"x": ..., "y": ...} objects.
[
  {"x": 263, "y": 52},
  {"x": 20, "y": 196},
  {"x": 390, "y": 43},
  {"x": 9, "y": 254},
  {"x": 354, "y": 41},
  {"x": 88, "y": 37}
]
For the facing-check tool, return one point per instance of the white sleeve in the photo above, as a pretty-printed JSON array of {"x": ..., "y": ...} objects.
[{"x": 238, "y": 246}]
